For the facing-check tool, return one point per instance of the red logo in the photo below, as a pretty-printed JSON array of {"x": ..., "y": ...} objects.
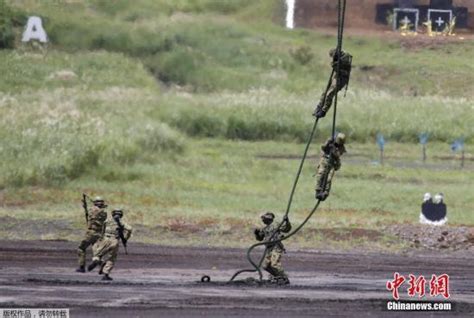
[
  {"x": 439, "y": 285},
  {"x": 395, "y": 284},
  {"x": 417, "y": 286}
]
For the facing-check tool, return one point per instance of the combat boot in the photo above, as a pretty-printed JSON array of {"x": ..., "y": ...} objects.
[
  {"x": 318, "y": 111},
  {"x": 93, "y": 265},
  {"x": 273, "y": 279},
  {"x": 106, "y": 277},
  {"x": 324, "y": 195},
  {"x": 101, "y": 271},
  {"x": 321, "y": 195},
  {"x": 282, "y": 280},
  {"x": 81, "y": 269}
]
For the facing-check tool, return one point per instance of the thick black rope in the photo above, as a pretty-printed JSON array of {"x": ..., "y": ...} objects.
[
  {"x": 340, "y": 32},
  {"x": 341, "y": 15}
]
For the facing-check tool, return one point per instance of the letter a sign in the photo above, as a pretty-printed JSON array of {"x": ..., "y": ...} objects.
[{"x": 34, "y": 31}]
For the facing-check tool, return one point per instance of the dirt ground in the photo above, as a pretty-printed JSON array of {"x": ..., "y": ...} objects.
[{"x": 160, "y": 281}]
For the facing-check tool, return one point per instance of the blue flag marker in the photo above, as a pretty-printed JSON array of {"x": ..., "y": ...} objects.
[
  {"x": 380, "y": 141},
  {"x": 423, "y": 141},
  {"x": 457, "y": 145},
  {"x": 423, "y": 138}
]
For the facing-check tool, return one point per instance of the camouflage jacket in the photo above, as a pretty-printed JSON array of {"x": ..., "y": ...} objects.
[
  {"x": 333, "y": 153},
  {"x": 112, "y": 229},
  {"x": 346, "y": 64},
  {"x": 265, "y": 234},
  {"x": 96, "y": 219}
]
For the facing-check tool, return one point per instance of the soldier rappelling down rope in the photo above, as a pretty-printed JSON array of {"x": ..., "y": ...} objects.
[
  {"x": 330, "y": 161},
  {"x": 344, "y": 74},
  {"x": 273, "y": 251}
]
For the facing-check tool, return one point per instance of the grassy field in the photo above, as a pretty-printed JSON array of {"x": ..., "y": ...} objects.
[
  {"x": 215, "y": 193},
  {"x": 188, "y": 114},
  {"x": 62, "y": 115}
]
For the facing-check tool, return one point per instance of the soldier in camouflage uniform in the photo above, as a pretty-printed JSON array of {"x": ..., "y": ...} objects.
[
  {"x": 95, "y": 227},
  {"x": 330, "y": 161},
  {"x": 344, "y": 74},
  {"x": 273, "y": 251},
  {"x": 106, "y": 250}
]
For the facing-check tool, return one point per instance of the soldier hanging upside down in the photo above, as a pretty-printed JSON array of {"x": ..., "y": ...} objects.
[
  {"x": 345, "y": 71},
  {"x": 106, "y": 250},
  {"x": 330, "y": 161},
  {"x": 96, "y": 217},
  {"x": 273, "y": 251}
]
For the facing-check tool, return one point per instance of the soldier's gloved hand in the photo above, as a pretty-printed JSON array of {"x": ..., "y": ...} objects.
[
  {"x": 316, "y": 109},
  {"x": 256, "y": 232},
  {"x": 320, "y": 113},
  {"x": 286, "y": 219}
]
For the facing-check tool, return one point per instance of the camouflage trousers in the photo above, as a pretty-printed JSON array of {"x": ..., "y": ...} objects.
[
  {"x": 272, "y": 262},
  {"x": 333, "y": 89},
  {"x": 89, "y": 239},
  {"x": 324, "y": 175},
  {"x": 106, "y": 250}
]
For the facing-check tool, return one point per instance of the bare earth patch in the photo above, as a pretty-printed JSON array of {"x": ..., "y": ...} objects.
[
  {"x": 162, "y": 281},
  {"x": 435, "y": 237}
]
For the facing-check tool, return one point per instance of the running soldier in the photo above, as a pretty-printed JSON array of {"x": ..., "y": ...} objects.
[
  {"x": 106, "y": 250},
  {"x": 330, "y": 161},
  {"x": 345, "y": 71},
  {"x": 273, "y": 251},
  {"x": 95, "y": 217}
]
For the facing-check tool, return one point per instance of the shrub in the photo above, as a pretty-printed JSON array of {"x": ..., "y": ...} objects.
[
  {"x": 177, "y": 66},
  {"x": 200, "y": 124},
  {"x": 302, "y": 55},
  {"x": 7, "y": 20},
  {"x": 159, "y": 137}
]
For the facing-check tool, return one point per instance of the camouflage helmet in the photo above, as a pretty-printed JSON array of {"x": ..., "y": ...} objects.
[
  {"x": 98, "y": 201},
  {"x": 117, "y": 212},
  {"x": 340, "y": 139},
  {"x": 268, "y": 217}
]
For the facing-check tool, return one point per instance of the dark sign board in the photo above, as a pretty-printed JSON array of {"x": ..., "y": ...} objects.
[
  {"x": 405, "y": 16},
  {"x": 383, "y": 10},
  {"x": 439, "y": 19}
]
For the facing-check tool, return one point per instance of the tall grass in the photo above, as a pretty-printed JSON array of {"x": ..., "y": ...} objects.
[
  {"x": 272, "y": 115},
  {"x": 92, "y": 118}
]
